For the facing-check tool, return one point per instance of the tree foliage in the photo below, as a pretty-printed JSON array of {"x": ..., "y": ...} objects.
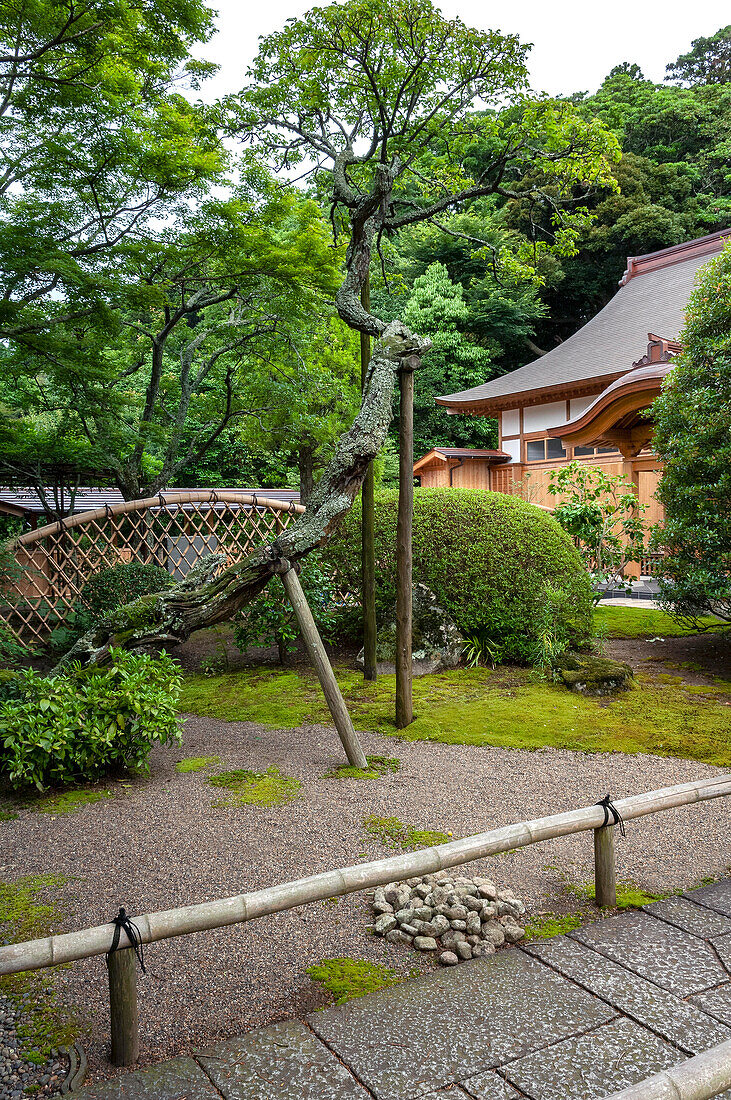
[
  {"x": 707, "y": 62},
  {"x": 693, "y": 437}
]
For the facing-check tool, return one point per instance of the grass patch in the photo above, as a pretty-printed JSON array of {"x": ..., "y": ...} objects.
[
  {"x": 552, "y": 924},
  {"x": 8, "y": 815},
  {"x": 506, "y": 707},
  {"x": 66, "y": 802},
  {"x": 349, "y": 978},
  {"x": 197, "y": 763},
  {"x": 246, "y": 788},
  {"x": 28, "y": 911},
  {"x": 377, "y": 766},
  {"x": 394, "y": 834},
  {"x": 631, "y": 622},
  {"x": 629, "y": 894}
]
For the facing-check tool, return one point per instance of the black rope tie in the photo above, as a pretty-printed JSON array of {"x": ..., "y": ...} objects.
[
  {"x": 609, "y": 808},
  {"x": 122, "y": 921}
]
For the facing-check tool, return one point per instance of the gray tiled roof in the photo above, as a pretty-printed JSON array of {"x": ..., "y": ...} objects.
[
  {"x": 88, "y": 498},
  {"x": 611, "y": 341}
]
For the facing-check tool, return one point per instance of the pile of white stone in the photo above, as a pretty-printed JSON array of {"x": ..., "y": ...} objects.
[{"x": 461, "y": 918}]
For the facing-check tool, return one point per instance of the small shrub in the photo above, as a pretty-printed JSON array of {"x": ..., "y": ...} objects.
[
  {"x": 82, "y": 723},
  {"x": 270, "y": 620},
  {"x": 269, "y": 788},
  {"x": 109, "y": 589},
  {"x": 488, "y": 558},
  {"x": 349, "y": 978}
]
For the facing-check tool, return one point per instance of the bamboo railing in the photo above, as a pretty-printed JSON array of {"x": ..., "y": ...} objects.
[
  {"x": 71, "y": 946},
  {"x": 699, "y": 1078}
]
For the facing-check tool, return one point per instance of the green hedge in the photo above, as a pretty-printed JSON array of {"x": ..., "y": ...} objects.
[{"x": 495, "y": 562}]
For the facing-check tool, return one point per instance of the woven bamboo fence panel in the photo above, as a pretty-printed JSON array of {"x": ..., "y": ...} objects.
[{"x": 173, "y": 530}]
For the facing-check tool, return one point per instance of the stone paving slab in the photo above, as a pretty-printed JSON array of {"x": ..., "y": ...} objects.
[
  {"x": 178, "y": 1079},
  {"x": 722, "y": 946},
  {"x": 685, "y": 914},
  {"x": 281, "y": 1062},
  {"x": 490, "y": 1086},
  {"x": 671, "y": 1018},
  {"x": 610, "y": 1058},
  {"x": 667, "y": 956},
  {"x": 716, "y": 1002},
  {"x": 420, "y": 1036},
  {"x": 716, "y": 897}
]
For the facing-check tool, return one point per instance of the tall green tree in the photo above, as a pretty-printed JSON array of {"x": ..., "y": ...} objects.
[
  {"x": 199, "y": 310},
  {"x": 437, "y": 305},
  {"x": 693, "y": 437},
  {"x": 707, "y": 62}
]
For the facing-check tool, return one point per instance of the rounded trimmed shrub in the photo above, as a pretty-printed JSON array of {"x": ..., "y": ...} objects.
[
  {"x": 502, "y": 568},
  {"x": 109, "y": 589}
]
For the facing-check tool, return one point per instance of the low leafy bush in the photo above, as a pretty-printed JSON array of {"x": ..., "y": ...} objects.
[
  {"x": 270, "y": 620},
  {"x": 103, "y": 593},
  {"x": 109, "y": 589},
  {"x": 490, "y": 559},
  {"x": 82, "y": 723}
]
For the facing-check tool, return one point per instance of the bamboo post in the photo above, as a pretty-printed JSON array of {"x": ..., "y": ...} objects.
[
  {"x": 404, "y": 549},
  {"x": 368, "y": 553},
  {"x": 605, "y": 878},
  {"x": 122, "y": 967},
  {"x": 326, "y": 676}
]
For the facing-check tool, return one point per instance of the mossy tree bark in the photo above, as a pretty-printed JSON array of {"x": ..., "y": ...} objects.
[
  {"x": 207, "y": 596},
  {"x": 368, "y": 553}
]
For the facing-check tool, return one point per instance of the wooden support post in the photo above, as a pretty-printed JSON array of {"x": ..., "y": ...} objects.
[
  {"x": 326, "y": 676},
  {"x": 122, "y": 967},
  {"x": 368, "y": 552},
  {"x": 605, "y": 878},
  {"x": 404, "y": 549}
]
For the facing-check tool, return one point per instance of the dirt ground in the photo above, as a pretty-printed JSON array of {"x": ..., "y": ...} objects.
[{"x": 159, "y": 842}]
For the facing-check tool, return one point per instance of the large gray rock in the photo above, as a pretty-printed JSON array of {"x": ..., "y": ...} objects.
[
  {"x": 435, "y": 640},
  {"x": 589, "y": 675}
]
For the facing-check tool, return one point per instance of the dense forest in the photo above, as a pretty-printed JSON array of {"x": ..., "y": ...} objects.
[{"x": 166, "y": 314}]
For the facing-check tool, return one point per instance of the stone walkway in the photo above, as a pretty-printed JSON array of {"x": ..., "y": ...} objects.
[{"x": 571, "y": 1018}]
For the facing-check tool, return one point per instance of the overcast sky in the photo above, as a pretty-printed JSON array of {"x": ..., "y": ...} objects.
[{"x": 576, "y": 42}]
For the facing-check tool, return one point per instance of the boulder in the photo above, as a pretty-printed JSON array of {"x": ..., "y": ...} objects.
[
  {"x": 588, "y": 675},
  {"x": 436, "y": 643}
]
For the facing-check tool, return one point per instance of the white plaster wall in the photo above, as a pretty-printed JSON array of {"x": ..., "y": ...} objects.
[
  {"x": 512, "y": 447},
  {"x": 511, "y": 422},
  {"x": 538, "y": 417},
  {"x": 580, "y": 405}
]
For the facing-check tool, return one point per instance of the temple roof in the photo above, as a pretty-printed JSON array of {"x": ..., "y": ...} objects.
[{"x": 653, "y": 295}]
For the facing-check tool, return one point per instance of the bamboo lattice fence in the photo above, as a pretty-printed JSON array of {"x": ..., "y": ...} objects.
[{"x": 172, "y": 530}]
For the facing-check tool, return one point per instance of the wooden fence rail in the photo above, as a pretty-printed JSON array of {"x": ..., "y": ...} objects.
[{"x": 66, "y": 948}]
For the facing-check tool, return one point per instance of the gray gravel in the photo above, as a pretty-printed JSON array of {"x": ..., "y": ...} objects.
[
  {"x": 19, "y": 1077},
  {"x": 159, "y": 843}
]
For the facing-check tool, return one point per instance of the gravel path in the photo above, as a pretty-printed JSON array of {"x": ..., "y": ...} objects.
[
  {"x": 159, "y": 843},
  {"x": 19, "y": 1078}
]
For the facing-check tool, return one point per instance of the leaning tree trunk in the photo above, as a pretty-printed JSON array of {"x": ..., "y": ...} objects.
[{"x": 203, "y": 599}]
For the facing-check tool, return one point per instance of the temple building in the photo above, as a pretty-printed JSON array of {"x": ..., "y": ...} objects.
[{"x": 586, "y": 399}]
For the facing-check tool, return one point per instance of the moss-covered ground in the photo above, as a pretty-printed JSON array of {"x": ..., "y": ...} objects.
[
  {"x": 506, "y": 707},
  {"x": 629, "y": 622},
  {"x": 396, "y": 835},
  {"x": 197, "y": 763},
  {"x": 349, "y": 978},
  {"x": 29, "y": 908},
  {"x": 247, "y": 788},
  {"x": 377, "y": 767}
]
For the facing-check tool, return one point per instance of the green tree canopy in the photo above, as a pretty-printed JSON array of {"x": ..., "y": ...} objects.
[
  {"x": 707, "y": 62},
  {"x": 693, "y": 437}
]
